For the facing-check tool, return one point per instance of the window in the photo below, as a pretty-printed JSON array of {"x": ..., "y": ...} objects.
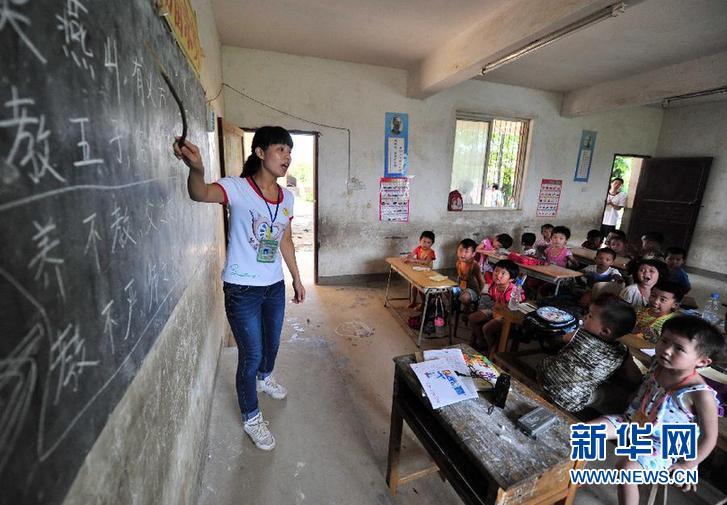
[{"x": 489, "y": 154}]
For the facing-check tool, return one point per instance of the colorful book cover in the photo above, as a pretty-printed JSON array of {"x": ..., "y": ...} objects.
[{"x": 482, "y": 369}]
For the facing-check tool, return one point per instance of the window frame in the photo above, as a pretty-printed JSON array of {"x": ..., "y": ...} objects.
[{"x": 522, "y": 158}]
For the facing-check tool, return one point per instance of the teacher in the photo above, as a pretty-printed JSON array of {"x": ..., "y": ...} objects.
[
  {"x": 615, "y": 201},
  {"x": 260, "y": 232}
]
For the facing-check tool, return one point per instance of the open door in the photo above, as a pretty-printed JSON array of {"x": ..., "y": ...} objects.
[
  {"x": 668, "y": 198},
  {"x": 231, "y": 160}
]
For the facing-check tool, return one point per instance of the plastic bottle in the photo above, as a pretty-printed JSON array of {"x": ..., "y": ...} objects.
[
  {"x": 516, "y": 294},
  {"x": 711, "y": 310}
]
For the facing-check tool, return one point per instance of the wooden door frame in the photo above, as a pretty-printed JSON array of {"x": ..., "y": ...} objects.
[{"x": 316, "y": 136}]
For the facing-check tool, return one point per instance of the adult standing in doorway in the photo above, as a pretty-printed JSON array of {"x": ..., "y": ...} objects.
[
  {"x": 615, "y": 201},
  {"x": 260, "y": 232}
]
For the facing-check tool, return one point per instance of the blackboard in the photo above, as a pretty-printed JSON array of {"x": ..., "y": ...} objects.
[{"x": 98, "y": 237}]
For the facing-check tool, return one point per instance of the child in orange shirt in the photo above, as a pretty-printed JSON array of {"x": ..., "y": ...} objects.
[
  {"x": 422, "y": 255},
  {"x": 469, "y": 275}
]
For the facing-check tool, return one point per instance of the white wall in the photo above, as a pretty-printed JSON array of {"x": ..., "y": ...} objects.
[
  {"x": 699, "y": 130},
  {"x": 356, "y": 96}
]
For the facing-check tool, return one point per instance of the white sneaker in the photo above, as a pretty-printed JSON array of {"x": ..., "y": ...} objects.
[
  {"x": 259, "y": 433},
  {"x": 271, "y": 387}
]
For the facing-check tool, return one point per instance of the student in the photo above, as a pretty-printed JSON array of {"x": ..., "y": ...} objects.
[
  {"x": 544, "y": 241},
  {"x": 492, "y": 243},
  {"x": 485, "y": 329},
  {"x": 469, "y": 275},
  {"x": 673, "y": 392},
  {"x": 260, "y": 233},
  {"x": 647, "y": 274},
  {"x": 617, "y": 241},
  {"x": 557, "y": 253},
  {"x": 675, "y": 258},
  {"x": 663, "y": 303},
  {"x": 651, "y": 244},
  {"x": 422, "y": 255},
  {"x": 594, "y": 240},
  {"x": 527, "y": 242},
  {"x": 591, "y": 354},
  {"x": 602, "y": 271}
]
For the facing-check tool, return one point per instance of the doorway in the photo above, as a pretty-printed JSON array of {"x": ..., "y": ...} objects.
[
  {"x": 301, "y": 180},
  {"x": 628, "y": 168}
]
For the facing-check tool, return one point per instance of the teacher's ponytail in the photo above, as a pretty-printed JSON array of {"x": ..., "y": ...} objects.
[{"x": 264, "y": 138}]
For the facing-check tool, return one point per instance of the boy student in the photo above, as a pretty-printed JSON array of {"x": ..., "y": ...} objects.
[
  {"x": 675, "y": 258},
  {"x": 527, "y": 242},
  {"x": 544, "y": 241},
  {"x": 617, "y": 241},
  {"x": 591, "y": 354},
  {"x": 663, "y": 303},
  {"x": 422, "y": 255},
  {"x": 651, "y": 244},
  {"x": 602, "y": 271},
  {"x": 469, "y": 275},
  {"x": 594, "y": 240},
  {"x": 492, "y": 243},
  {"x": 485, "y": 329},
  {"x": 673, "y": 392}
]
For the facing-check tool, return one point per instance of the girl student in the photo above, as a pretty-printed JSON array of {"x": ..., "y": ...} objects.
[{"x": 260, "y": 233}]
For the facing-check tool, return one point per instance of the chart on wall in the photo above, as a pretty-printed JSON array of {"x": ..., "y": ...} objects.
[
  {"x": 394, "y": 199},
  {"x": 396, "y": 144},
  {"x": 549, "y": 197}
]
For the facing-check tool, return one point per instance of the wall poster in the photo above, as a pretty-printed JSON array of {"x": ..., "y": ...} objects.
[
  {"x": 394, "y": 199},
  {"x": 549, "y": 197},
  {"x": 396, "y": 144},
  {"x": 585, "y": 155}
]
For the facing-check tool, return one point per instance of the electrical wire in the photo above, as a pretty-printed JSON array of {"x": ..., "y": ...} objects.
[{"x": 323, "y": 125}]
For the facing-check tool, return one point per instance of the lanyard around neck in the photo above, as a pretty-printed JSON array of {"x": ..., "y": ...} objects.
[{"x": 277, "y": 205}]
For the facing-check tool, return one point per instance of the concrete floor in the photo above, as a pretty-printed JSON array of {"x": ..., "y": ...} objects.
[{"x": 332, "y": 430}]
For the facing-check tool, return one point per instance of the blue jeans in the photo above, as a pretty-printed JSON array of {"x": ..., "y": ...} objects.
[{"x": 256, "y": 315}]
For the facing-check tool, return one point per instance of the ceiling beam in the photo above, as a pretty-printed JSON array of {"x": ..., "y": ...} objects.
[
  {"x": 708, "y": 72},
  {"x": 514, "y": 25}
]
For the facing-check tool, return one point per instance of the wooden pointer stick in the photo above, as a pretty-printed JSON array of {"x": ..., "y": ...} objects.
[{"x": 165, "y": 76}]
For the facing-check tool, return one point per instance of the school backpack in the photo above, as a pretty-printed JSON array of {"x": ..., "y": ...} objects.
[{"x": 454, "y": 202}]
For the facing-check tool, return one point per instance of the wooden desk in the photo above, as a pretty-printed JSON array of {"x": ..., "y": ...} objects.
[
  {"x": 421, "y": 280},
  {"x": 636, "y": 344},
  {"x": 548, "y": 273},
  {"x": 588, "y": 256},
  {"x": 509, "y": 317},
  {"x": 485, "y": 458}
]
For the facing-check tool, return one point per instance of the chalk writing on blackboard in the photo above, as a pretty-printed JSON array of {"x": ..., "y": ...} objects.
[
  {"x": 15, "y": 20},
  {"x": 30, "y": 141},
  {"x": 99, "y": 238}
]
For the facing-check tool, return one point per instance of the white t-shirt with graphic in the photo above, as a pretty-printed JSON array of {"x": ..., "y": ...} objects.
[{"x": 250, "y": 222}]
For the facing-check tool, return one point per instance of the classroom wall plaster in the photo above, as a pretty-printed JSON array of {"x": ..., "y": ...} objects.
[
  {"x": 698, "y": 130},
  {"x": 153, "y": 447},
  {"x": 355, "y": 96}
]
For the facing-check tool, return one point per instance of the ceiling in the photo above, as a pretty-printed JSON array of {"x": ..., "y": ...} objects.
[
  {"x": 650, "y": 35},
  {"x": 390, "y": 33},
  {"x": 401, "y": 33}
]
